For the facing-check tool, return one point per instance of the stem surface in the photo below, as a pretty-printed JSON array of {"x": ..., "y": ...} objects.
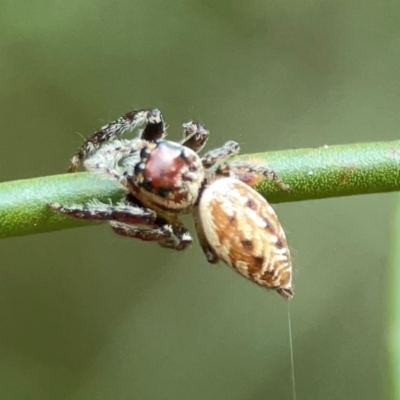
[{"x": 328, "y": 171}]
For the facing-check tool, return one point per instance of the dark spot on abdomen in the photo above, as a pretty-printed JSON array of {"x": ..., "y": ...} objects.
[
  {"x": 232, "y": 219},
  {"x": 258, "y": 261},
  {"x": 247, "y": 244},
  {"x": 251, "y": 204}
]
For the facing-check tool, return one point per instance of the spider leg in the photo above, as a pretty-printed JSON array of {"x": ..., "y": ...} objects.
[
  {"x": 153, "y": 130},
  {"x": 169, "y": 236},
  {"x": 148, "y": 235},
  {"x": 249, "y": 173},
  {"x": 179, "y": 238},
  {"x": 195, "y": 135},
  {"x": 96, "y": 210},
  {"x": 116, "y": 159},
  {"x": 217, "y": 155}
]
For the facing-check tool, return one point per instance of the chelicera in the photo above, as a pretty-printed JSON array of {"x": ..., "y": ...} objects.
[{"x": 164, "y": 179}]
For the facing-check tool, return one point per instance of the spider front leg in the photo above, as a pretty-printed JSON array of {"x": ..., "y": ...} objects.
[
  {"x": 95, "y": 210},
  {"x": 249, "y": 173},
  {"x": 195, "y": 135},
  {"x": 153, "y": 130},
  {"x": 174, "y": 237}
]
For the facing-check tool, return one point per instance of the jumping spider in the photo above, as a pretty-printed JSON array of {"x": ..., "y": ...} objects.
[{"x": 163, "y": 179}]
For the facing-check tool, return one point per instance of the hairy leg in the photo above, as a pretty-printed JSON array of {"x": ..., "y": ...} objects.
[
  {"x": 96, "y": 210},
  {"x": 195, "y": 135},
  {"x": 153, "y": 130},
  {"x": 174, "y": 237},
  {"x": 249, "y": 173},
  {"x": 179, "y": 238},
  {"x": 117, "y": 159},
  {"x": 214, "y": 156},
  {"x": 150, "y": 235}
]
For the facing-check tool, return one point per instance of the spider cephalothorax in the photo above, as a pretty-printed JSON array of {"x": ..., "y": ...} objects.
[
  {"x": 164, "y": 178},
  {"x": 168, "y": 175}
]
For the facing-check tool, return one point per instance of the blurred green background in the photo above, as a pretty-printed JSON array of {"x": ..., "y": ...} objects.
[{"x": 85, "y": 314}]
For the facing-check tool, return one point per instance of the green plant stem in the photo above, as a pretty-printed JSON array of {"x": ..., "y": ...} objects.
[
  {"x": 328, "y": 171},
  {"x": 393, "y": 311}
]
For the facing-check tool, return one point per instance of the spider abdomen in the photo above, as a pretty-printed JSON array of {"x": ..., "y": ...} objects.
[{"x": 244, "y": 231}]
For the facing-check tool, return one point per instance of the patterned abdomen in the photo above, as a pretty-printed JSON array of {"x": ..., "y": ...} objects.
[{"x": 245, "y": 232}]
